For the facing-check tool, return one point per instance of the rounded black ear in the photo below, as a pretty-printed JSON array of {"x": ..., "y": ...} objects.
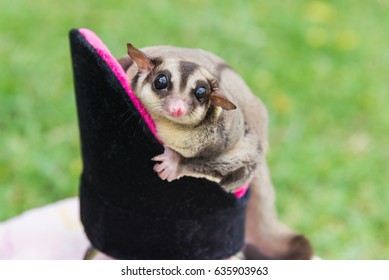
[
  {"x": 141, "y": 60},
  {"x": 217, "y": 99}
]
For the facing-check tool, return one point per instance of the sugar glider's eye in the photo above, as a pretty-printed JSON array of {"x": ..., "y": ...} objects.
[
  {"x": 200, "y": 93},
  {"x": 161, "y": 82}
]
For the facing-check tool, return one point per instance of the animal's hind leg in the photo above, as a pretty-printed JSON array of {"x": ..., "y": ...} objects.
[{"x": 266, "y": 236}]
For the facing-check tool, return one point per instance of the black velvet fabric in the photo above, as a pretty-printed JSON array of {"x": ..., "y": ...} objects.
[{"x": 127, "y": 211}]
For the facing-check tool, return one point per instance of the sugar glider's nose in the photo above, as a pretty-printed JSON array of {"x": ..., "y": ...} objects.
[{"x": 177, "y": 107}]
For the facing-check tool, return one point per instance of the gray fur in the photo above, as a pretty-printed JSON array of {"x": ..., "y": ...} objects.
[
  {"x": 228, "y": 147},
  {"x": 186, "y": 69}
]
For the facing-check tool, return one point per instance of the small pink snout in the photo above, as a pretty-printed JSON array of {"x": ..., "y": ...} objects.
[{"x": 177, "y": 108}]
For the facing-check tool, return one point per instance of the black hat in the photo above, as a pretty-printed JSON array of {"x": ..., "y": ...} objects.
[{"x": 127, "y": 211}]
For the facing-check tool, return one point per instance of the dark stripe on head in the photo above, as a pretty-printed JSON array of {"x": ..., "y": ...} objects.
[
  {"x": 170, "y": 85},
  {"x": 186, "y": 68},
  {"x": 134, "y": 81},
  {"x": 156, "y": 61}
]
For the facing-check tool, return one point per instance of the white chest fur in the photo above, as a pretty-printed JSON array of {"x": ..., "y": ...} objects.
[{"x": 181, "y": 139}]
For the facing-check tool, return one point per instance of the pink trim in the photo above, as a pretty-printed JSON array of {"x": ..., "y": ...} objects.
[
  {"x": 105, "y": 54},
  {"x": 239, "y": 193}
]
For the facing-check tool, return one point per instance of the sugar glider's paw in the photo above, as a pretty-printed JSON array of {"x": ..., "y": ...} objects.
[{"x": 168, "y": 168}]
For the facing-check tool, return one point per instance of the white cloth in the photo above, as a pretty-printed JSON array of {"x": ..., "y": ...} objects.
[{"x": 53, "y": 231}]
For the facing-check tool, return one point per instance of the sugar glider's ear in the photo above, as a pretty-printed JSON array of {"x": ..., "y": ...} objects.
[
  {"x": 218, "y": 99},
  {"x": 141, "y": 60}
]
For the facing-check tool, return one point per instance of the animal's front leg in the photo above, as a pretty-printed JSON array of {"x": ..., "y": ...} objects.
[{"x": 169, "y": 167}]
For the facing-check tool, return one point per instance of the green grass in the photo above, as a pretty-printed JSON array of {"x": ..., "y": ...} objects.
[{"x": 321, "y": 67}]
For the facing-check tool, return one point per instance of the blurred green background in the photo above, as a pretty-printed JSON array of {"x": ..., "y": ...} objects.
[{"x": 320, "y": 66}]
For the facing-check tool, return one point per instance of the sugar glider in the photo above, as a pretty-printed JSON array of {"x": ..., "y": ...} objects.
[{"x": 212, "y": 126}]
